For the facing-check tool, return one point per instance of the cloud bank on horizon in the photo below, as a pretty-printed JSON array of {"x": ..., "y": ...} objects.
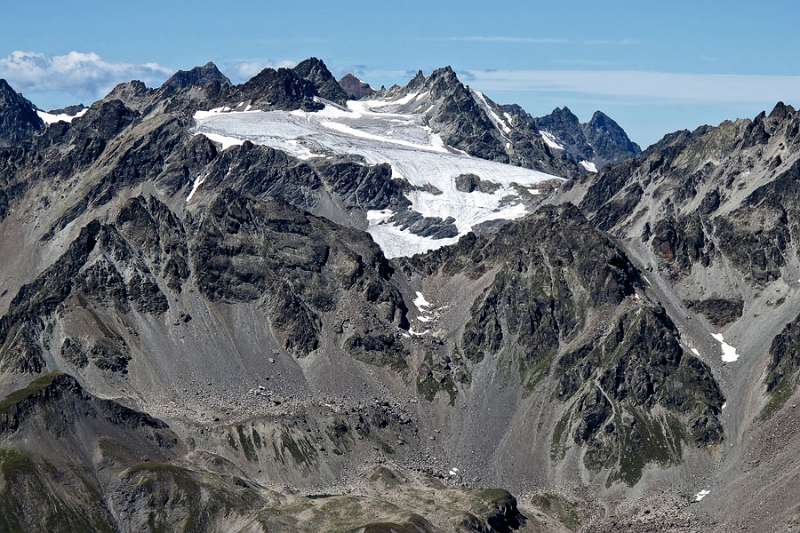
[
  {"x": 80, "y": 74},
  {"x": 57, "y": 80},
  {"x": 664, "y": 86}
]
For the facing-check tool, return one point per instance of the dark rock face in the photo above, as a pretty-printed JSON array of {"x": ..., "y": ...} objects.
[
  {"x": 565, "y": 126},
  {"x": 61, "y": 400},
  {"x": 275, "y": 89},
  {"x": 608, "y": 140},
  {"x": 719, "y": 311},
  {"x": 463, "y": 124},
  {"x": 623, "y": 382},
  {"x": 326, "y": 86},
  {"x": 466, "y": 119},
  {"x": 354, "y": 87},
  {"x": 287, "y": 89},
  {"x": 601, "y": 140},
  {"x": 542, "y": 298},
  {"x": 18, "y": 118},
  {"x": 246, "y": 250},
  {"x": 753, "y": 234},
  {"x": 783, "y": 368},
  {"x": 471, "y": 183},
  {"x": 207, "y": 75},
  {"x": 553, "y": 270},
  {"x": 24, "y": 320}
]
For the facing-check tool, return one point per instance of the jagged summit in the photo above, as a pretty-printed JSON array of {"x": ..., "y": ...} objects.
[
  {"x": 600, "y": 142},
  {"x": 354, "y": 87},
  {"x": 205, "y": 75},
  {"x": 316, "y": 72},
  {"x": 18, "y": 118}
]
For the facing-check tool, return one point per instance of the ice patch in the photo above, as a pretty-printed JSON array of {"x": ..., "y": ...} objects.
[
  {"x": 588, "y": 165},
  {"x": 702, "y": 494},
  {"x": 729, "y": 354},
  {"x": 550, "y": 140},
  {"x": 50, "y": 118}
]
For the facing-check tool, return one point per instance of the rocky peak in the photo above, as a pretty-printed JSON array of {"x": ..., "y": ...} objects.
[
  {"x": 563, "y": 115},
  {"x": 444, "y": 80},
  {"x": 18, "y": 118},
  {"x": 781, "y": 111},
  {"x": 416, "y": 82},
  {"x": 274, "y": 89},
  {"x": 134, "y": 94},
  {"x": 609, "y": 140},
  {"x": 601, "y": 140},
  {"x": 316, "y": 72},
  {"x": 354, "y": 87},
  {"x": 205, "y": 75}
]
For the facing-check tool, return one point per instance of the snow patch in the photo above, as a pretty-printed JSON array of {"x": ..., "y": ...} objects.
[
  {"x": 702, "y": 494},
  {"x": 496, "y": 120},
  {"x": 588, "y": 165},
  {"x": 729, "y": 354},
  {"x": 550, "y": 140},
  {"x": 198, "y": 181},
  {"x": 50, "y": 118},
  {"x": 421, "y": 302},
  {"x": 224, "y": 140}
]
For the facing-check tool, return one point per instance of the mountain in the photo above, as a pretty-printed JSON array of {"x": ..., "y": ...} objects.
[
  {"x": 469, "y": 121},
  {"x": 315, "y": 71},
  {"x": 257, "y": 308},
  {"x": 354, "y": 87},
  {"x": 18, "y": 118},
  {"x": 597, "y": 143},
  {"x": 711, "y": 215}
]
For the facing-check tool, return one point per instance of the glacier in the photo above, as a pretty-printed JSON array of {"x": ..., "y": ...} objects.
[{"x": 378, "y": 132}]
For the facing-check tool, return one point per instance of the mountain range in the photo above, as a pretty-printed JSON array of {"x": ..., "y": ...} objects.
[{"x": 303, "y": 304}]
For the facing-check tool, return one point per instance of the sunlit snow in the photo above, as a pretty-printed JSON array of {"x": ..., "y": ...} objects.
[
  {"x": 371, "y": 129},
  {"x": 496, "y": 120},
  {"x": 729, "y": 354},
  {"x": 50, "y": 118},
  {"x": 702, "y": 494},
  {"x": 421, "y": 303},
  {"x": 550, "y": 140},
  {"x": 588, "y": 165}
]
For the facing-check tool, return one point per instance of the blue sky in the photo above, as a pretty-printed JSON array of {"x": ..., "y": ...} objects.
[{"x": 653, "y": 66}]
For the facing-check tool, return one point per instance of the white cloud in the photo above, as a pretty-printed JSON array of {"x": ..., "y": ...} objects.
[
  {"x": 244, "y": 70},
  {"x": 82, "y": 74},
  {"x": 666, "y": 86}
]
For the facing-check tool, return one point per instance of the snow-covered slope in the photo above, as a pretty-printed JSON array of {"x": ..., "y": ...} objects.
[
  {"x": 377, "y": 131},
  {"x": 52, "y": 118}
]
